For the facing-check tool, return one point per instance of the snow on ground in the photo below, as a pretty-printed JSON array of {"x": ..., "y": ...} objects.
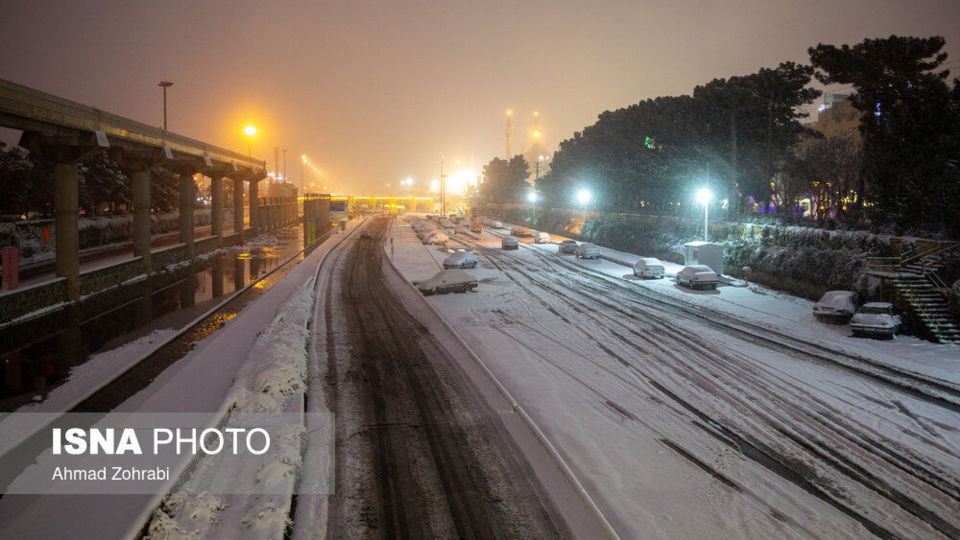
[
  {"x": 786, "y": 313},
  {"x": 272, "y": 380},
  {"x": 600, "y": 385}
]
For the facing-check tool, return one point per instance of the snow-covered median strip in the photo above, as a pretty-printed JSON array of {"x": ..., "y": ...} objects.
[{"x": 271, "y": 380}]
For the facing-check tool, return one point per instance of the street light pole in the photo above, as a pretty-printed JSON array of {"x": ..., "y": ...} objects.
[
  {"x": 704, "y": 196},
  {"x": 250, "y": 131},
  {"x": 443, "y": 182},
  {"x": 165, "y": 85},
  {"x": 284, "y": 164}
]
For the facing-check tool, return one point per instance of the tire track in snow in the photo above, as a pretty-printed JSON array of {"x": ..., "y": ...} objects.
[{"x": 835, "y": 461}]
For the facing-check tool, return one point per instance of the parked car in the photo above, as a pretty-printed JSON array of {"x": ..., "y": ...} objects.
[
  {"x": 520, "y": 232},
  {"x": 365, "y": 235},
  {"x": 567, "y": 246},
  {"x": 648, "y": 268},
  {"x": 476, "y": 227},
  {"x": 542, "y": 238},
  {"x": 836, "y": 306},
  {"x": 447, "y": 281},
  {"x": 496, "y": 224},
  {"x": 875, "y": 319},
  {"x": 424, "y": 233},
  {"x": 461, "y": 259},
  {"x": 439, "y": 238},
  {"x": 697, "y": 276},
  {"x": 587, "y": 250},
  {"x": 509, "y": 242}
]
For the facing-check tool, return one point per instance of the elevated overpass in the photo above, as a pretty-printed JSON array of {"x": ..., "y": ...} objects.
[{"x": 66, "y": 132}]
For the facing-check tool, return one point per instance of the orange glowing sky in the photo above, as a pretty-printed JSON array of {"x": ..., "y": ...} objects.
[{"x": 374, "y": 92}]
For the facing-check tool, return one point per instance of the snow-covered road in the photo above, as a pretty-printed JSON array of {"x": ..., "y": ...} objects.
[{"x": 684, "y": 418}]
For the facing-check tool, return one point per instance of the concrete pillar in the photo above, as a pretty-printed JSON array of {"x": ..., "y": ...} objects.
[
  {"x": 141, "y": 217},
  {"x": 188, "y": 291},
  {"x": 216, "y": 212},
  {"x": 238, "y": 207},
  {"x": 254, "y": 204},
  {"x": 187, "y": 203},
  {"x": 217, "y": 276},
  {"x": 67, "y": 223},
  {"x": 239, "y": 274}
]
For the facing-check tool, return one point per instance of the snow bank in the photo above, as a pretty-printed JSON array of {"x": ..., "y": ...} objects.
[{"x": 271, "y": 380}]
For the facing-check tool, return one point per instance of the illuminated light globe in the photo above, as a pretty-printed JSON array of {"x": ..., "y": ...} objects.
[
  {"x": 250, "y": 130},
  {"x": 704, "y": 196},
  {"x": 532, "y": 197},
  {"x": 583, "y": 196}
]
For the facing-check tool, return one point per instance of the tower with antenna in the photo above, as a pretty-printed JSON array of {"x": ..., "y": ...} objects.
[{"x": 509, "y": 132}]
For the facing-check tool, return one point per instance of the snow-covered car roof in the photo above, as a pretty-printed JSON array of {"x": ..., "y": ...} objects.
[
  {"x": 698, "y": 268},
  {"x": 459, "y": 256},
  {"x": 649, "y": 261},
  {"x": 877, "y": 305},
  {"x": 453, "y": 276},
  {"x": 829, "y": 295},
  {"x": 568, "y": 241}
]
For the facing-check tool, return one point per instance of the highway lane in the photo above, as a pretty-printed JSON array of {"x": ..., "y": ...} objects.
[{"x": 416, "y": 454}]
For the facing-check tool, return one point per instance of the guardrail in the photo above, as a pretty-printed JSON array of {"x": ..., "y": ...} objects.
[{"x": 888, "y": 265}]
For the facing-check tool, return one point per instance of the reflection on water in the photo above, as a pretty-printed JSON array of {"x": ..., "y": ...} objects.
[{"x": 30, "y": 372}]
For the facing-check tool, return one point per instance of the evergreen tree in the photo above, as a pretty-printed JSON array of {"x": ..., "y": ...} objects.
[{"x": 909, "y": 124}]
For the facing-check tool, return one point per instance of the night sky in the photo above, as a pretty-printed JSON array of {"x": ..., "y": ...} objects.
[{"x": 374, "y": 92}]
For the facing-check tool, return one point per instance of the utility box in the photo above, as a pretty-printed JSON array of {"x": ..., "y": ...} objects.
[{"x": 706, "y": 253}]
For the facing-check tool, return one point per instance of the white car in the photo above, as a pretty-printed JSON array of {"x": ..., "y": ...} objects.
[
  {"x": 587, "y": 250},
  {"x": 836, "y": 306},
  {"x": 461, "y": 259},
  {"x": 439, "y": 238},
  {"x": 567, "y": 246},
  {"x": 648, "y": 268},
  {"x": 509, "y": 242},
  {"x": 447, "y": 281},
  {"x": 875, "y": 319},
  {"x": 697, "y": 276},
  {"x": 496, "y": 225},
  {"x": 541, "y": 238}
]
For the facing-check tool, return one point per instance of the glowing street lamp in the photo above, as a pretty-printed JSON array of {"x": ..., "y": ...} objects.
[
  {"x": 584, "y": 197},
  {"x": 532, "y": 197},
  {"x": 250, "y": 131},
  {"x": 703, "y": 197}
]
